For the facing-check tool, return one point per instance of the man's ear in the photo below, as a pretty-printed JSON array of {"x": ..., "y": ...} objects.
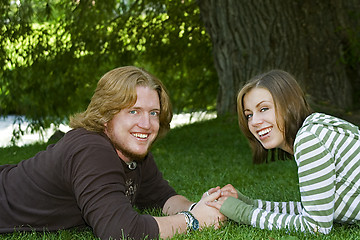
[{"x": 105, "y": 127}]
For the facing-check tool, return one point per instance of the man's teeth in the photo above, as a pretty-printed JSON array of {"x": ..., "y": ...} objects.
[
  {"x": 140, "y": 135},
  {"x": 265, "y": 131}
]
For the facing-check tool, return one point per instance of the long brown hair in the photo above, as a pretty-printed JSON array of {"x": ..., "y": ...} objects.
[
  {"x": 290, "y": 104},
  {"x": 116, "y": 90}
]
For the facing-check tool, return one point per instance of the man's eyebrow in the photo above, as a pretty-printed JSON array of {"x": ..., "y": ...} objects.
[{"x": 136, "y": 108}]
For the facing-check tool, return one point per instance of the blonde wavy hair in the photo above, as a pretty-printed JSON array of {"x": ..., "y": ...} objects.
[
  {"x": 290, "y": 105},
  {"x": 116, "y": 90}
]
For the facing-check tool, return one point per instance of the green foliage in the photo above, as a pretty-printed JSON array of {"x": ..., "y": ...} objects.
[
  {"x": 182, "y": 58},
  {"x": 220, "y": 156},
  {"x": 54, "y": 52}
]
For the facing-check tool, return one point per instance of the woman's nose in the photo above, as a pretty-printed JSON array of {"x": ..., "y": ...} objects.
[{"x": 256, "y": 119}]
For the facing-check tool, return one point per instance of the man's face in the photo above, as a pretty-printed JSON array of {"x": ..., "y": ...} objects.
[{"x": 134, "y": 129}]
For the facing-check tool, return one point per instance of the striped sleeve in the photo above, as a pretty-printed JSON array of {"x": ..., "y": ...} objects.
[
  {"x": 279, "y": 207},
  {"x": 316, "y": 173}
]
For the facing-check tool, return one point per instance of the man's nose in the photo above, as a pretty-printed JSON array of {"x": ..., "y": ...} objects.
[{"x": 144, "y": 121}]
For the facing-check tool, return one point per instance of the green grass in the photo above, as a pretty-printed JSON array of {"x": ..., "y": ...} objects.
[{"x": 197, "y": 157}]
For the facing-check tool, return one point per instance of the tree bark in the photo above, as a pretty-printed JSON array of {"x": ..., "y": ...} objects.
[{"x": 306, "y": 38}]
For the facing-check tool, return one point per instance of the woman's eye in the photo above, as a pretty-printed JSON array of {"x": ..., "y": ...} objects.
[
  {"x": 264, "y": 109},
  {"x": 248, "y": 116},
  {"x": 133, "y": 112}
]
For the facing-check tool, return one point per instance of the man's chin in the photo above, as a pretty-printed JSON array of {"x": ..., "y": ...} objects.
[
  {"x": 135, "y": 157},
  {"x": 130, "y": 155},
  {"x": 138, "y": 158}
]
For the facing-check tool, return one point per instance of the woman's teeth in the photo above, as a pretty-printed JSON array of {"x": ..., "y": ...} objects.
[{"x": 264, "y": 131}]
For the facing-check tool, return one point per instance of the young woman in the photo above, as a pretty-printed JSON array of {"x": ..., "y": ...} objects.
[{"x": 273, "y": 114}]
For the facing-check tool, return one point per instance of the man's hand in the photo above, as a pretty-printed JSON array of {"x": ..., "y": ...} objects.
[
  {"x": 210, "y": 191},
  {"x": 225, "y": 192},
  {"x": 206, "y": 215}
]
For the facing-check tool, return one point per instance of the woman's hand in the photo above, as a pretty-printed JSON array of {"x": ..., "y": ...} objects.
[
  {"x": 217, "y": 203},
  {"x": 229, "y": 191}
]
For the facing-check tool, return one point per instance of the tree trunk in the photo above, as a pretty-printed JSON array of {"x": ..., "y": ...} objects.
[{"x": 306, "y": 38}]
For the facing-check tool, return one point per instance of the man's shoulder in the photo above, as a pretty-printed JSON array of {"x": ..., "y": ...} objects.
[
  {"x": 82, "y": 132},
  {"x": 83, "y": 137}
]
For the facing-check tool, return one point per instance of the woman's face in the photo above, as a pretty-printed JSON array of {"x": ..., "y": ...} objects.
[{"x": 260, "y": 112}]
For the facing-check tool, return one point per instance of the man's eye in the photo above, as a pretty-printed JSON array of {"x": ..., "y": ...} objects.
[
  {"x": 133, "y": 112},
  {"x": 154, "y": 114}
]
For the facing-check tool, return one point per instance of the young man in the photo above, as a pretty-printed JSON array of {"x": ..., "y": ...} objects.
[{"x": 102, "y": 168}]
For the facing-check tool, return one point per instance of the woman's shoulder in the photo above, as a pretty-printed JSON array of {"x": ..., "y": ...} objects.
[
  {"x": 320, "y": 118},
  {"x": 326, "y": 120},
  {"x": 317, "y": 122}
]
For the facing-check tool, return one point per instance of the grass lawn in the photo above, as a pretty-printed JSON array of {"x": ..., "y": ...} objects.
[{"x": 199, "y": 156}]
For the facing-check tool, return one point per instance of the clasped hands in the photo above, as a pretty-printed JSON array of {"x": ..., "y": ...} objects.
[
  {"x": 225, "y": 192},
  {"x": 207, "y": 210}
]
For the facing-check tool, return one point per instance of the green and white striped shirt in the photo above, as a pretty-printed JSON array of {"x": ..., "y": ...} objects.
[{"x": 327, "y": 153}]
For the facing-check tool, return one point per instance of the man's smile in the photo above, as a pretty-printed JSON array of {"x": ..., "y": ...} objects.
[{"x": 141, "y": 135}]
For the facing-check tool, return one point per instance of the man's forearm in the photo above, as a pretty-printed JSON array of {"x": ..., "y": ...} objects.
[
  {"x": 176, "y": 204},
  {"x": 204, "y": 215},
  {"x": 170, "y": 225}
]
